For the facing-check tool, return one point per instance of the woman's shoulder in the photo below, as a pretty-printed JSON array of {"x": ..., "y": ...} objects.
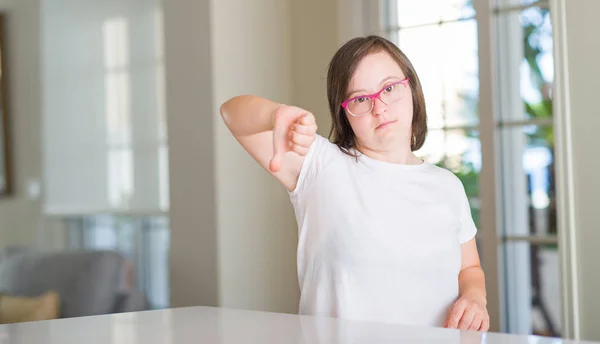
[
  {"x": 441, "y": 171},
  {"x": 324, "y": 148},
  {"x": 323, "y": 155},
  {"x": 322, "y": 140},
  {"x": 445, "y": 176}
]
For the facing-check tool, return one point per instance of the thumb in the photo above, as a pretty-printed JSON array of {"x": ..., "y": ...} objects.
[
  {"x": 278, "y": 150},
  {"x": 275, "y": 163}
]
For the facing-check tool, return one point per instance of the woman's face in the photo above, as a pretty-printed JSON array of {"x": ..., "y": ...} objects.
[{"x": 385, "y": 125}]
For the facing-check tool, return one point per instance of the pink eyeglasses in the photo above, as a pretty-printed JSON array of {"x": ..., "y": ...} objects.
[{"x": 389, "y": 94}]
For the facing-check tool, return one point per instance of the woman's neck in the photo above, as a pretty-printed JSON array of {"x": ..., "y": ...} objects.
[{"x": 402, "y": 155}]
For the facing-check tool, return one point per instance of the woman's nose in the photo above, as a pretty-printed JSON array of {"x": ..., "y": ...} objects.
[{"x": 379, "y": 107}]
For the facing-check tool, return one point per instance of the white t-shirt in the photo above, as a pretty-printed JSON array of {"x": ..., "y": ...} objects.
[{"x": 378, "y": 241}]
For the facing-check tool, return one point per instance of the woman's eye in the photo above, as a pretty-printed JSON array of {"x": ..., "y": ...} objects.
[
  {"x": 390, "y": 88},
  {"x": 360, "y": 99}
]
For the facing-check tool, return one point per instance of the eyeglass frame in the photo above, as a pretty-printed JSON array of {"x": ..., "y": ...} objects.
[{"x": 374, "y": 96}]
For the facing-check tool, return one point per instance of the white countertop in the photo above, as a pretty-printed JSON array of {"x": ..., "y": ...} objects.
[{"x": 218, "y": 325}]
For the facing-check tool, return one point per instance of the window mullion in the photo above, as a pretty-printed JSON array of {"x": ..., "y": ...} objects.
[
  {"x": 488, "y": 180},
  {"x": 519, "y": 8}
]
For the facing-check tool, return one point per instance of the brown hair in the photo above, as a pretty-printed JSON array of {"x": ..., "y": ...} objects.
[{"x": 342, "y": 68}]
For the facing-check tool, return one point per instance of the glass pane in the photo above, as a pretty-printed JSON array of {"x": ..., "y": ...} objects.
[
  {"x": 107, "y": 232},
  {"x": 156, "y": 257},
  {"x": 120, "y": 177},
  {"x": 448, "y": 70},
  {"x": 526, "y": 64},
  {"x": 460, "y": 152},
  {"x": 453, "y": 147},
  {"x": 527, "y": 174},
  {"x": 143, "y": 240},
  {"x": 411, "y": 12},
  {"x": 533, "y": 289},
  {"x": 460, "y": 73},
  {"x": 426, "y": 59}
]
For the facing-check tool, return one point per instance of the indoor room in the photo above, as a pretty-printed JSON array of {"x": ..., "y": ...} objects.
[{"x": 129, "y": 206}]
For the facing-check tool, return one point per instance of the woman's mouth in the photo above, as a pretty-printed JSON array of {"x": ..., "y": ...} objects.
[{"x": 384, "y": 124}]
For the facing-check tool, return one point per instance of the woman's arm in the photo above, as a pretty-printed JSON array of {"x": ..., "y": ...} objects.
[
  {"x": 470, "y": 312},
  {"x": 248, "y": 115},
  {"x": 277, "y": 136},
  {"x": 471, "y": 278}
]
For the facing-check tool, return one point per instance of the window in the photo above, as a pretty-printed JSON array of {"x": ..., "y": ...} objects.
[
  {"x": 441, "y": 39},
  {"x": 104, "y": 130},
  {"x": 118, "y": 111},
  {"x": 105, "y": 134},
  {"x": 136, "y": 134},
  {"x": 525, "y": 131},
  {"x": 143, "y": 240}
]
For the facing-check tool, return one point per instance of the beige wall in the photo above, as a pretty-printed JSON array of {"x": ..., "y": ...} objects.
[
  {"x": 234, "y": 235},
  {"x": 21, "y": 219},
  {"x": 193, "y": 261},
  {"x": 313, "y": 46},
  {"x": 583, "y": 47},
  {"x": 256, "y": 227},
  {"x": 19, "y": 213}
]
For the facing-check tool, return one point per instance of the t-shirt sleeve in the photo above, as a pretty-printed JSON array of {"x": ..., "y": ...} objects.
[
  {"x": 319, "y": 154},
  {"x": 467, "y": 228}
]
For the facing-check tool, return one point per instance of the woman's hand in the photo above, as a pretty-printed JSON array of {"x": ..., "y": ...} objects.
[
  {"x": 294, "y": 129},
  {"x": 469, "y": 312}
]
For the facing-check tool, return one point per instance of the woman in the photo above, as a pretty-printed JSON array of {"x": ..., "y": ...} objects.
[{"x": 383, "y": 235}]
